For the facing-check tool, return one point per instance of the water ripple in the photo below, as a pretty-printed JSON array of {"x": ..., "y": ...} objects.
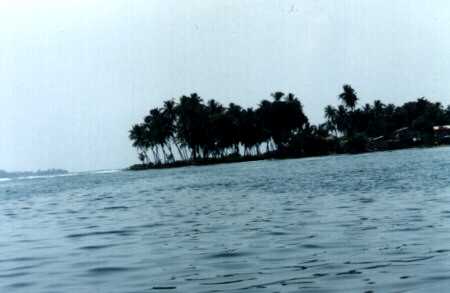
[{"x": 365, "y": 223}]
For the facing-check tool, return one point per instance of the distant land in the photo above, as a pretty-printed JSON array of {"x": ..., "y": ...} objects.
[
  {"x": 192, "y": 132},
  {"x": 5, "y": 174}
]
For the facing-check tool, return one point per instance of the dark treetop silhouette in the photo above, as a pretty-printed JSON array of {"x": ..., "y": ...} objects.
[{"x": 193, "y": 132}]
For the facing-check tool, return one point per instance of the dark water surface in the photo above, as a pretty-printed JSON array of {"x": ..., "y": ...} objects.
[{"x": 368, "y": 223}]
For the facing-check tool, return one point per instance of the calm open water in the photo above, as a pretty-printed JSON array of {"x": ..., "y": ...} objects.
[{"x": 368, "y": 223}]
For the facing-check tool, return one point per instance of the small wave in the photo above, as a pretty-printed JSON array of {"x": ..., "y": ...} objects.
[
  {"x": 97, "y": 233},
  {"x": 377, "y": 266},
  {"x": 21, "y": 285},
  {"x": 22, "y": 259},
  {"x": 59, "y": 175},
  {"x": 116, "y": 208},
  {"x": 13, "y": 275},
  {"x": 416, "y": 259},
  {"x": 226, "y": 254},
  {"x": 228, "y": 282},
  {"x": 45, "y": 176},
  {"x": 105, "y": 171},
  {"x": 96, "y": 247},
  {"x": 107, "y": 270},
  {"x": 351, "y": 272}
]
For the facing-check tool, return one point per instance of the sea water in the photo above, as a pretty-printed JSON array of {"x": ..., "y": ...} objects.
[{"x": 376, "y": 222}]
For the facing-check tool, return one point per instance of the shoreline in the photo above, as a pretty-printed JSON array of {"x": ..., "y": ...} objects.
[
  {"x": 271, "y": 156},
  {"x": 202, "y": 162}
]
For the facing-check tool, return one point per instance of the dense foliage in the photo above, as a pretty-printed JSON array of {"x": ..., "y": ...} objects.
[{"x": 192, "y": 130}]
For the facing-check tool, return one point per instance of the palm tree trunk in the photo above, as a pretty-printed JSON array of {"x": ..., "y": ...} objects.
[
  {"x": 155, "y": 155},
  {"x": 194, "y": 153},
  {"x": 164, "y": 153},
  {"x": 144, "y": 153},
  {"x": 170, "y": 151},
  {"x": 179, "y": 151}
]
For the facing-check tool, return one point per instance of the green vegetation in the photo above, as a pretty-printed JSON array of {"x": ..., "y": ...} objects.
[{"x": 191, "y": 131}]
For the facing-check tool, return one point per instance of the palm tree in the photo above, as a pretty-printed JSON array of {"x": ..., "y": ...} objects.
[
  {"x": 348, "y": 97},
  {"x": 233, "y": 131},
  {"x": 214, "y": 129},
  {"x": 277, "y": 96},
  {"x": 251, "y": 132},
  {"x": 192, "y": 121},
  {"x": 160, "y": 131},
  {"x": 331, "y": 116},
  {"x": 282, "y": 118},
  {"x": 264, "y": 115},
  {"x": 342, "y": 120},
  {"x": 170, "y": 118},
  {"x": 138, "y": 136}
]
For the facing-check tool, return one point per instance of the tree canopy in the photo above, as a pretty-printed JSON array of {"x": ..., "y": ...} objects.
[{"x": 190, "y": 129}]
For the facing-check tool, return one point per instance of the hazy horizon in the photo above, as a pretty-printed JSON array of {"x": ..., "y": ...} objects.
[{"x": 75, "y": 75}]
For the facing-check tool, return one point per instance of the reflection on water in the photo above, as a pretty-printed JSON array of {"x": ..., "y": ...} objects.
[{"x": 368, "y": 223}]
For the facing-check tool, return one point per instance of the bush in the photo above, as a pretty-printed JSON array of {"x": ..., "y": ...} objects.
[{"x": 356, "y": 143}]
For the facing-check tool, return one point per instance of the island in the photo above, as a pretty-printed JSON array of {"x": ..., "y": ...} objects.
[{"x": 193, "y": 132}]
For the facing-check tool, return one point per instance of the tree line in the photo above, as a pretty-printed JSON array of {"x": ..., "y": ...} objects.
[{"x": 194, "y": 130}]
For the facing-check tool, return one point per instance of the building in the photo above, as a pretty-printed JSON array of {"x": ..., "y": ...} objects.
[{"x": 442, "y": 134}]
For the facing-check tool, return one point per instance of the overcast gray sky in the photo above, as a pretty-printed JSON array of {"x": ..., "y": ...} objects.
[{"x": 74, "y": 75}]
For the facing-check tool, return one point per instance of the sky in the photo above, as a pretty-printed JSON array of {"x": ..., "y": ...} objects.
[{"x": 75, "y": 75}]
